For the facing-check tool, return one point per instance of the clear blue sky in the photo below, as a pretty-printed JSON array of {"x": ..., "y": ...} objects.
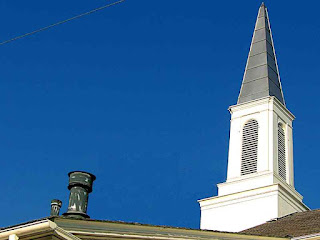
[{"x": 138, "y": 95}]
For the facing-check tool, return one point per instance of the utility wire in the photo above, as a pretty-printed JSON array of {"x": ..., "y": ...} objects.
[{"x": 61, "y": 22}]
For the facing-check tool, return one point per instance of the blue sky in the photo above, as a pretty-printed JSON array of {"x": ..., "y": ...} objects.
[{"x": 138, "y": 94}]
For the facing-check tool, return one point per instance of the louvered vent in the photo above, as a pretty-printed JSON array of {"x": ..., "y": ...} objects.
[
  {"x": 281, "y": 152},
  {"x": 249, "y": 154}
]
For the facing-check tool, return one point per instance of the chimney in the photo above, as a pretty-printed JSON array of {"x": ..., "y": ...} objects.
[
  {"x": 80, "y": 185},
  {"x": 55, "y": 207}
]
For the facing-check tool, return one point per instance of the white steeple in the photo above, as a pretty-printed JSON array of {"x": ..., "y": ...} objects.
[{"x": 260, "y": 179}]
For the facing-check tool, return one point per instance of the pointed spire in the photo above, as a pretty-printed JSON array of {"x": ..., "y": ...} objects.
[{"x": 261, "y": 77}]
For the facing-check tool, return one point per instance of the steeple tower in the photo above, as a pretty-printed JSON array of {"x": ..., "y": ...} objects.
[{"x": 260, "y": 181}]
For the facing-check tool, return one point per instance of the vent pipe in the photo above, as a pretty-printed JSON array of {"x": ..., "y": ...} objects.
[
  {"x": 80, "y": 185},
  {"x": 55, "y": 207}
]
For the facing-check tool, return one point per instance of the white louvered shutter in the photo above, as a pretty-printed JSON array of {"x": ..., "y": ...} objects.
[
  {"x": 281, "y": 153},
  {"x": 249, "y": 154}
]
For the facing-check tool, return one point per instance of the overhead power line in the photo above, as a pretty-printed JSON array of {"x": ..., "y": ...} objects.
[{"x": 61, "y": 22}]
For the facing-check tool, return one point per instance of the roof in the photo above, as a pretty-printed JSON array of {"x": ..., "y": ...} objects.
[
  {"x": 293, "y": 225},
  {"x": 261, "y": 76},
  {"x": 54, "y": 218},
  {"x": 86, "y": 229}
]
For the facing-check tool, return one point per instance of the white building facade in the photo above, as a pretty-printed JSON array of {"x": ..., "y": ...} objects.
[{"x": 260, "y": 177}]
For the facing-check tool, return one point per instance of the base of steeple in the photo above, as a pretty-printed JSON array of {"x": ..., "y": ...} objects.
[{"x": 239, "y": 211}]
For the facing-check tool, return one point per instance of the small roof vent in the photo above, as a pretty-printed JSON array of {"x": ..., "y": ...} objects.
[{"x": 55, "y": 207}]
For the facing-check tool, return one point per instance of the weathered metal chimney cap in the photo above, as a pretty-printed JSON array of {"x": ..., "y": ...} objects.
[
  {"x": 80, "y": 185},
  {"x": 56, "y": 202},
  {"x": 81, "y": 178},
  {"x": 55, "y": 207}
]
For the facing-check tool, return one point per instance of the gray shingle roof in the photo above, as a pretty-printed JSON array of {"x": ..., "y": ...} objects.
[
  {"x": 293, "y": 225},
  {"x": 261, "y": 76}
]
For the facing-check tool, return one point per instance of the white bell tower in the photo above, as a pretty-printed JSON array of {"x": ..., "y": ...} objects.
[{"x": 260, "y": 178}]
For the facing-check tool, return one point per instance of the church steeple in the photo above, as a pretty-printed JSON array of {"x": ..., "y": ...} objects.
[
  {"x": 261, "y": 77},
  {"x": 260, "y": 180}
]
